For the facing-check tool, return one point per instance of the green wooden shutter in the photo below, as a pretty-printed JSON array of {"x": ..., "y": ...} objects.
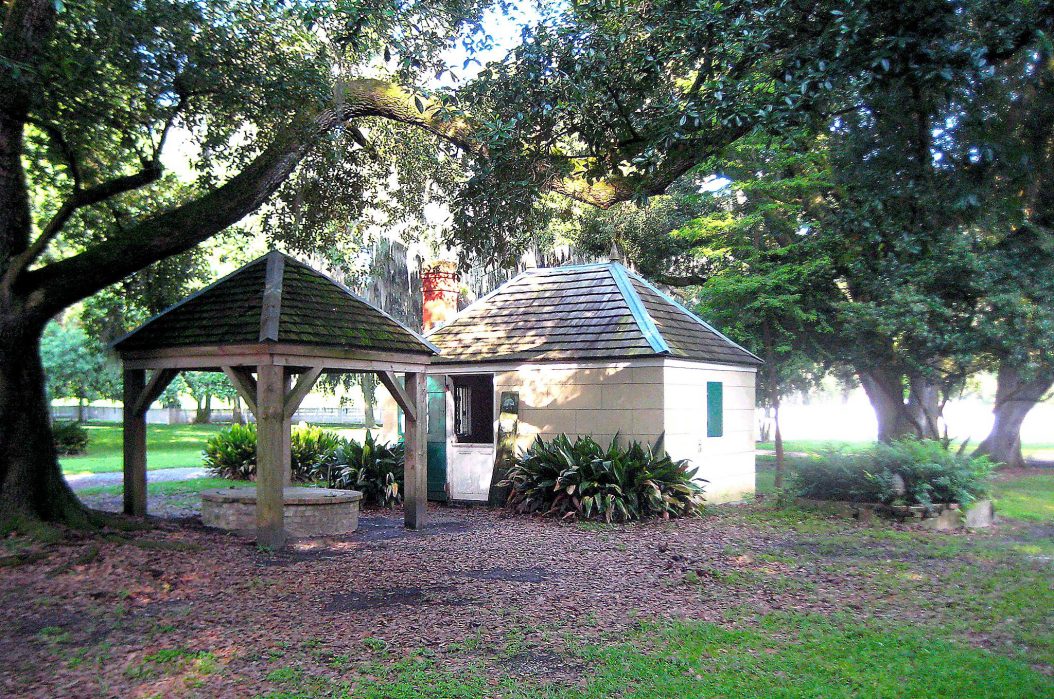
[{"x": 715, "y": 409}]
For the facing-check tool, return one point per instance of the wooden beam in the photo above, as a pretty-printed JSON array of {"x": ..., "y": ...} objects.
[
  {"x": 134, "y": 444},
  {"x": 154, "y": 388},
  {"x": 402, "y": 396},
  {"x": 304, "y": 383},
  {"x": 281, "y": 353},
  {"x": 244, "y": 383},
  {"x": 270, "y": 522},
  {"x": 271, "y": 311},
  {"x": 415, "y": 479}
]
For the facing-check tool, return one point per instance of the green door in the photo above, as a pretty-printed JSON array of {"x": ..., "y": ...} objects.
[{"x": 436, "y": 438}]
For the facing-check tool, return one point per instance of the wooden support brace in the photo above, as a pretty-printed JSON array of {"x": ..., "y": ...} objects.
[
  {"x": 304, "y": 383},
  {"x": 401, "y": 396},
  {"x": 153, "y": 389},
  {"x": 244, "y": 383}
]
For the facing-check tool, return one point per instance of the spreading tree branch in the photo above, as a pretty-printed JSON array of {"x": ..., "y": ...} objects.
[{"x": 66, "y": 281}]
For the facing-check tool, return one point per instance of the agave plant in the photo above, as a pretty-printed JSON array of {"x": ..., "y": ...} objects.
[
  {"x": 581, "y": 479},
  {"x": 374, "y": 468}
]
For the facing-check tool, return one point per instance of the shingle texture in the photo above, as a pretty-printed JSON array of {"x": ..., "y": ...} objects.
[
  {"x": 580, "y": 312},
  {"x": 313, "y": 310}
]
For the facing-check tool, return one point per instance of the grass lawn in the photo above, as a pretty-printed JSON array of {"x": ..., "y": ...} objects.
[
  {"x": 192, "y": 486},
  {"x": 167, "y": 446}
]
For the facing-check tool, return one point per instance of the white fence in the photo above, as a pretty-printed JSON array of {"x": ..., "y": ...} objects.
[{"x": 181, "y": 416}]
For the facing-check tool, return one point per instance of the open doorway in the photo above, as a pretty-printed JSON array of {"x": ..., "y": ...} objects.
[{"x": 474, "y": 409}]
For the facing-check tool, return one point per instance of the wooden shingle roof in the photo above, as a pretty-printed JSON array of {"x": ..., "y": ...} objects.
[
  {"x": 275, "y": 298},
  {"x": 600, "y": 311}
]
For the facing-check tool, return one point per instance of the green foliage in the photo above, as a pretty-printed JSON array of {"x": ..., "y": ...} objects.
[
  {"x": 316, "y": 455},
  {"x": 374, "y": 468},
  {"x": 584, "y": 480},
  {"x": 313, "y": 451},
  {"x": 231, "y": 453},
  {"x": 70, "y": 438},
  {"x": 76, "y": 365},
  {"x": 903, "y": 472}
]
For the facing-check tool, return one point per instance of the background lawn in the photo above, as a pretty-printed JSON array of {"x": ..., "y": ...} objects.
[{"x": 167, "y": 446}]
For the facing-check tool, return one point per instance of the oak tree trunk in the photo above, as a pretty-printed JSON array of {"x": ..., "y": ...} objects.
[
  {"x": 886, "y": 393},
  {"x": 901, "y": 411},
  {"x": 369, "y": 397},
  {"x": 1015, "y": 396},
  {"x": 31, "y": 483}
]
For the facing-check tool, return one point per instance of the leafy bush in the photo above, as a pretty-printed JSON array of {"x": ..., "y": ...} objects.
[
  {"x": 313, "y": 451},
  {"x": 583, "y": 479},
  {"x": 904, "y": 472},
  {"x": 231, "y": 453},
  {"x": 70, "y": 438},
  {"x": 374, "y": 468}
]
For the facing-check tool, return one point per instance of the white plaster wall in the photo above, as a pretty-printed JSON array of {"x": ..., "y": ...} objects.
[
  {"x": 727, "y": 462},
  {"x": 600, "y": 401}
]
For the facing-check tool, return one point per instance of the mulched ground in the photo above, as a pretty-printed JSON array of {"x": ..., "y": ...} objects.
[{"x": 91, "y": 615}]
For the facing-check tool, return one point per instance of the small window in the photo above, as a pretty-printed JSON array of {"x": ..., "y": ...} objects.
[
  {"x": 474, "y": 409},
  {"x": 715, "y": 409}
]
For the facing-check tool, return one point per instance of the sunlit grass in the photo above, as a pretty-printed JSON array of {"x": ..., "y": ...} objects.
[{"x": 167, "y": 446}]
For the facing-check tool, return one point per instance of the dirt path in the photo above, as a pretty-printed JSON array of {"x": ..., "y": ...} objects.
[{"x": 80, "y": 481}]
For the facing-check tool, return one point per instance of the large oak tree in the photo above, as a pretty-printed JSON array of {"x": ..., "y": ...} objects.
[{"x": 303, "y": 105}]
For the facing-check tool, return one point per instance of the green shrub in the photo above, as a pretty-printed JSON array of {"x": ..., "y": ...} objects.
[
  {"x": 231, "y": 453},
  {"x": 584, "y": 480},
  {"x": 904, "y": 472},
  {"x": 313, "y": 451},
  {"x": 70, "y": 438},
  {"x": 374, "y": 468}
]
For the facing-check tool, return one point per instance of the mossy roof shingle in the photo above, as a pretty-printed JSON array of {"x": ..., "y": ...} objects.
[
  {"x": 601, "y": 311},
  {"x": 306, "y": 308}
]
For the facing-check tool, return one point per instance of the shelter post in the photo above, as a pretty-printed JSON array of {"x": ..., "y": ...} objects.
[
  {"x": 272, "y": 442},
  {"x": 416, "y": 471},
  {"x": 134, "y": 443}
]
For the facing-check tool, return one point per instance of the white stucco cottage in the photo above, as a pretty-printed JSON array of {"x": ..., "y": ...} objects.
[{"x": 587, "y": 350}]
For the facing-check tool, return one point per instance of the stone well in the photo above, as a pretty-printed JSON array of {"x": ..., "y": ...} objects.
[{"x": 308, "y": 512}]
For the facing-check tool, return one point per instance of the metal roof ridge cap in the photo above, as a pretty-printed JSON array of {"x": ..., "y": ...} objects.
[
  {"x": 645, "y": 322},
  {"x": 113, "y": 343},
  {"x": 416, "y": 335},
  {"x": 694, "y": 317},
  {"x": 271, "y": 305}
]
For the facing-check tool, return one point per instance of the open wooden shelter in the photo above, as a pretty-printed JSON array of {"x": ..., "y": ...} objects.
[{"x": 273, "y": 327}]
